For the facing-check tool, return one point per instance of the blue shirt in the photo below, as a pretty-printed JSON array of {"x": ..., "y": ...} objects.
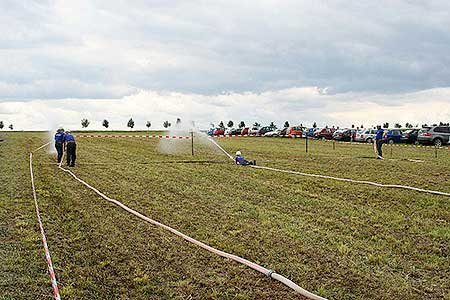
[
  {"x": 69, "y": 138},
  {"x": 239, "y": 160},
  {"x": 59, "y": 137},
  {"x": 379, "y": 135}
]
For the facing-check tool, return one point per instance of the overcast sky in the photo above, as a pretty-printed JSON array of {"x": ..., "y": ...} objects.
[{"x": 333, "y": 62}]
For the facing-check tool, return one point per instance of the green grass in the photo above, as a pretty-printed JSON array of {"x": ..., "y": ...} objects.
[{"x": 340, "y": 240}]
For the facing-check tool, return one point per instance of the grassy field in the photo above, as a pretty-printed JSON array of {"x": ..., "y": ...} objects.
[{"x": 339, "y": 240}]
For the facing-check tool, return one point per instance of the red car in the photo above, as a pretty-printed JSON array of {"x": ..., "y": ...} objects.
[
  {"x": 244, "y": 131},
  {"x": 324, "y": 133},
  {"x": 219, "y": 131}
]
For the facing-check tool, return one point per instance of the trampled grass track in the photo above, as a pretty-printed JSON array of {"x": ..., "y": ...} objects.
[{"x": 339, "y": 240}]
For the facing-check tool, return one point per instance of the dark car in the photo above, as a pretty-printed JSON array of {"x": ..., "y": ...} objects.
[
  {"x": 343, "y": 135},
  {"x": 265, "y": 129},
  {"x": 244, "y": 131},
  {"x": 236, "y": 131},
  {"x": 324, "y": 133},
  {"x": 437, "y": 135},
  {"x": 392, "y": 136},
  {"x": 409, "y": 136},
  {"x": 283, "y": 131},
  {"x": 310, "y": 132}
]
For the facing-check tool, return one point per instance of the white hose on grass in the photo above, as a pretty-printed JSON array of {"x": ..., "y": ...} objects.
[
  {"x": 397, "y": 186},
  {"x": 236, "y": 258},
  {"x": 42, "y": 146}
]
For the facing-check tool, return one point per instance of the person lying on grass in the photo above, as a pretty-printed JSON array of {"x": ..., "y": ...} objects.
[{"x": 240, "y": 160}]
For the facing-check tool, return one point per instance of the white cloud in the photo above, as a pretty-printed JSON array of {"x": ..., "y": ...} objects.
[
  {"x": 207, "y": 47},
  {"x": 297, "y": 105}
]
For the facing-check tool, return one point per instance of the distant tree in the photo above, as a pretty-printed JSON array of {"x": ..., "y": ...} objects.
[
  {"x": 241, "y": 124},
  {"x": 256, "y": 124},
  {"x": 221, "y": 125},
  {"x": 1, "y": 125},
  {"x": 212, "y": 125},
  {"x": 148, "y": 124},
  {"x": 409, "y": 125},
  {"x": 272, "y": 124},
  {"x": 362, "y": 126},
  {"x": 353, "y": 126},
  {"x": 105, "y": 123},
  {"x": 11, "y": 126},
  {"x": 286, "y": 124},
  {"x": 130, "y": 123},
  {"x": 85, "y": 123},
  {"x": 230, "y": 124},
  {"x": 424, "y": 125},
  {"x": 166, "y": 124},
  {"x": 315, "y": 125},
  {"x": 178, "y": 121},
  {"x": 386, "y": 125},
  {"x": 397, "y": 125}
]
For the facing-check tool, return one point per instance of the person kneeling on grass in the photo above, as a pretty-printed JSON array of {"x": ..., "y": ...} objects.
[{"x": 240, "y": 160}]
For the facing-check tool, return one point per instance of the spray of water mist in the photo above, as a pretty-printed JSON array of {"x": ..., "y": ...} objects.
[{"x": 183, "y": 146}]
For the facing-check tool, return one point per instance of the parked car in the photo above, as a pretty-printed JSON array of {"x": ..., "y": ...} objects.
[
  {"x": 254, "y": 130},
  {"x": 244, "y": 131},
  {"x": 265, "y": 129},
  {"x": 409, "y": 136},
  {"x": 295, "y": 131},
  {"x": 343, "y": 135},
  {"x": 324, "y": 133},
  {"x": 366, "y": 135},
  {"x": 310, "y": 132},
  {"x": 437, "y": 135},
  {"x": 283, "y": 131},
  {"x": 392, "y": 136},
  {"x": 219, "y": 131},
  {"x": 211, "y": 131},
  {"x": 275, "y": 132},
  {"x": 228, "y": 131},
  {"x": 236, "y": 131}
]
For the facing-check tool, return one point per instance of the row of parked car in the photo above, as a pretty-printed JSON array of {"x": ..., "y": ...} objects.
[{"x": 436, "y": 135}]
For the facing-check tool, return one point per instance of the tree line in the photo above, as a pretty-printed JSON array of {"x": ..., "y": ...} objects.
[
  {"x": 166, "y": 124},
  {"x": 105, "y": 123},
  {"x": 2, "y": 125}
]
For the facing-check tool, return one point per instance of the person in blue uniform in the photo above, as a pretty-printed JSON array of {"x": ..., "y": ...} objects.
[
  {"x": 240, "y": 160},
  {"x": 379, "y": 142},
  {"x": 71, "y": 148},
  {"x": 59, "y": 143}
]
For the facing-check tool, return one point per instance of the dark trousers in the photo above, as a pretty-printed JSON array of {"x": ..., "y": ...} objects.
[
  {"x": 59, "y": 149},
  {"x": 71, "y": 153},
  {"x": 380, "y": 147},
  {"x": 248, "y": 163}
]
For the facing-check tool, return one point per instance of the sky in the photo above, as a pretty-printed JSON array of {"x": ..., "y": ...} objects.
[{"x": 331, "y": 62}]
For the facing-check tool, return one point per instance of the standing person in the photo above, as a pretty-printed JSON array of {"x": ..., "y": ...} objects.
[
  {"x": 240, "y": 160},
  {"x": 59, "y": 143},
  {"x": 379, "y": 142},
  {"x": 71, "y": 148}
]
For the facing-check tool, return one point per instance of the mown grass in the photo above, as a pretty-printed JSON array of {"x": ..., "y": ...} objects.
[{"x": 339, "y": 240}]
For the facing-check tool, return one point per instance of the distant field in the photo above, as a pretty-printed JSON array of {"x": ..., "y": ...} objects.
[{"x": 339, "y": 240}]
